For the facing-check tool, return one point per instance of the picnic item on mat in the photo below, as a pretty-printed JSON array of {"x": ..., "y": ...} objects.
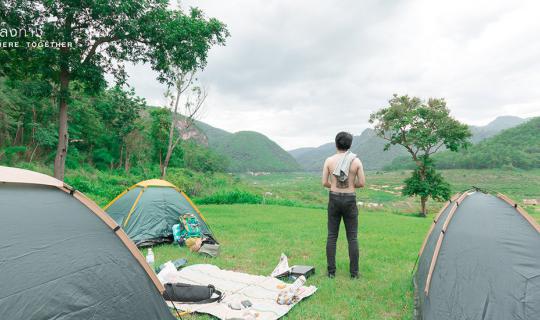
[
  {"x": 260, "y": 291},
  {"x": 283, "y": 270},
  {"x": 238, "y": 304},
  {"x": 178, "y": 263},
  {"x": 298, "y": 271},
  {"x": 291, "y": 294},
  {"x": 189, "y": 293}
]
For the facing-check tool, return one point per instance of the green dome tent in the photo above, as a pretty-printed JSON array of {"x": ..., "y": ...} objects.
[
  {"x": 63, "y": 257},
  {"x": 480, "y": 260},
  {"x": 148, "y": 210}
]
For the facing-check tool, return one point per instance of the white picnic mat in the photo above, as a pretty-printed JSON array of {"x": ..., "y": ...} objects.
[{"x": 261, "y": 291}]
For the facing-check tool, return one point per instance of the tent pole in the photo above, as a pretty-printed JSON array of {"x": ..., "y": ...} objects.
[
  {"x": 133, "y": 207},
  {"x": 452, "y": 199},
  {"x": 440, "y": 240},
  {"x": 521, "y": 211}
]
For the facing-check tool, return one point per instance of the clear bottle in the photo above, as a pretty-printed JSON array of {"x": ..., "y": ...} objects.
[{"x": 150, "y": 258}]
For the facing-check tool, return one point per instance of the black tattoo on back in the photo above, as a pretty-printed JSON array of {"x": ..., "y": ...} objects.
[{"x": 342, "y": 182}]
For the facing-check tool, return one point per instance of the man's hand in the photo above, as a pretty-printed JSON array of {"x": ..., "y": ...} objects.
[
  {"x": 360, "y": 179},
  {"x": 325, "y": 175}
]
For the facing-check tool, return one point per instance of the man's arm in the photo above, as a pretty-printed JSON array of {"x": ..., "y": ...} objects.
[
  {"x": 325, "y": 175},
  {"x": 360, "y": 180}
]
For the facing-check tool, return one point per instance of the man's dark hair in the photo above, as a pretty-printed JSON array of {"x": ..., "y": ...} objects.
[{"x": 343, "y": 141}]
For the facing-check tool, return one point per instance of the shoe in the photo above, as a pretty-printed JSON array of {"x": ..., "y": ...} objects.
[
  {"x": 355, "y": 276},
  {"x": 331, "y": 275}
]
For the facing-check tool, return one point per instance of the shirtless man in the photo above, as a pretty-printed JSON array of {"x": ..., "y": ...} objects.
[{"x": 342, "y": 173}]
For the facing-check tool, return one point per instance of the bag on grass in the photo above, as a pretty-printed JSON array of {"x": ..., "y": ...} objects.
[
  {"x": 194, "y": 244},
  {"x": 210, "y": 248},
  {"x": 189, "y": 293},
  {"x": 189, "y": 228}
]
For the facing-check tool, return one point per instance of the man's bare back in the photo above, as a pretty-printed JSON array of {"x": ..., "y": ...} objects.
[{"x": 356, "y": 178}]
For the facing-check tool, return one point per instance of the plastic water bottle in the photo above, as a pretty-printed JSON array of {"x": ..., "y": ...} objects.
[
  {"x": 176, "y": 232},
  {"x": 150, "y": 258}
]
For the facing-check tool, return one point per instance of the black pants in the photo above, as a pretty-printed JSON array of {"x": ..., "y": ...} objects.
[{"x": 342, "y": 205}]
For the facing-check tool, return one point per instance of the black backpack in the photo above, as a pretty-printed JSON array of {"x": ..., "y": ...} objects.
[{"x": 189, "y": 293}]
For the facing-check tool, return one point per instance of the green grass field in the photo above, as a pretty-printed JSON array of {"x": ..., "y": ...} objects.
[
  {"x": 384, "y": 187},
  {"x": 253, "y": 237}
]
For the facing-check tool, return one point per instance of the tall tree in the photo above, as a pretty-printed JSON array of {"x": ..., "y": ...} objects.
[
  {"x": 159, "y": 133},
  {"x": 422, "y": 128},
  {"x": 190, "y": 110},
  {"x": 25, "y": 116},
  {"x": 120, "y": 110},
  {"x": 84, "y": 40}
]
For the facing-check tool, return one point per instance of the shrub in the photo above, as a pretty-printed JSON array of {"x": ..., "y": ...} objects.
[
  {"x": 12, "y": 154},
  {"x": 231, "y": 197}
]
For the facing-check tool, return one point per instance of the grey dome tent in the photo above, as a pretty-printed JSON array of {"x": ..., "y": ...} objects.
[
  {"x": 480, "y": 260},
  {"x": 148, "y": 210},
  {"x": 62, "y": 257}
]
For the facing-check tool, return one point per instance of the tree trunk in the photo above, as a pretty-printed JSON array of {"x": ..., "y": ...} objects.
[
  {"x": 161, "y": 161},
  {"x": 166, "y": 162},
  {"x": 17, "y": 139},
  {"x": 120, "y": 161},
  {"x": 34, "y": 122},
  {"x": 33, "y": 137},
  {"x": 170, "y": 146},
  {"x": 126, "y": 162},
  {"x": 33, "y": 153},
  {"x": 61, "y": 149},
  {"x": 91, "y": 155},
  {"x": 5, "y": 132},
  {"x": 423, "y": 201},
  {"x": 22, "y": 131}
]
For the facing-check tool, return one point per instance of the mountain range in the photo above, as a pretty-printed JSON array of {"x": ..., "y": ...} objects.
[
  {"x": 370, "y": 148},
  {"x": 253, "y": 151},
  {"x": 515, "y": 147},
  {"x": 494, "y": 127},
  {"x": 248, "y": 150}
]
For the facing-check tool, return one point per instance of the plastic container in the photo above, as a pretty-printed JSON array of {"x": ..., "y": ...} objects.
[
  {"x": 290, "y": 294},
  {"x": 176, "y": 229},
  {"x": 150, "y": 258}
]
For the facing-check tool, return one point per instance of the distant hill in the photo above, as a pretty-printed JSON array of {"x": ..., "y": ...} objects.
[
  {"x": 311, "y": 159},
  {"x": 367, "y": 146},
  {"x": 300, "y": 151},
  {"x": 494, "y": 127},
  {"x": 215, "y": 136},
  {"x": 370, "y": 148},
  {"x": 517, "y": 147},
  {"x": 248, "y": 150}
]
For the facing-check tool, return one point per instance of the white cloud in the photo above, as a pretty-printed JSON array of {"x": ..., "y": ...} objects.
[{"x": 299, "y": 71}]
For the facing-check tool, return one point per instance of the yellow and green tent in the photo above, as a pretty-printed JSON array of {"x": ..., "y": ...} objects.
[{"x": 148, "y": 210}]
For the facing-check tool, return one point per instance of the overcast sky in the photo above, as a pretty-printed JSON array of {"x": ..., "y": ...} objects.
[{"x": 300, "y": 71}]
